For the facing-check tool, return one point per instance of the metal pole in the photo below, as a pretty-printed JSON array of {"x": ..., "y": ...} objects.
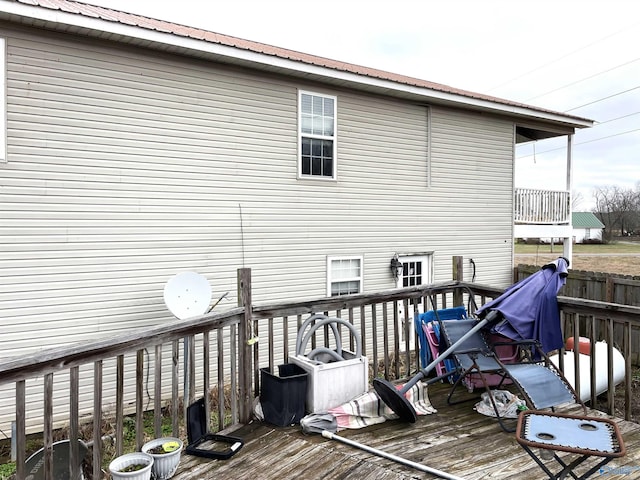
[
  {"x": 390, "y": 456},
  {"x": 425, "y": 371}
]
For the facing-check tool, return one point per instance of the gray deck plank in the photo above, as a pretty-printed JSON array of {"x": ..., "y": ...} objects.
[{"x": 456, "y": 440}]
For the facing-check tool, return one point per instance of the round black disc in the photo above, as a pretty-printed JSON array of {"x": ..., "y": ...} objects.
[{"x": 395, "y": 400}]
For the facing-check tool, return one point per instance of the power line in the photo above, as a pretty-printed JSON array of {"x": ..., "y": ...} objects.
[
  {"x": 603, "y": 98},
  {"x": 583, "y": 79},
  {"x": 618, "y": 118},
  {"x": 580, "y": 143},
  {"x": 562, "y": 57}
]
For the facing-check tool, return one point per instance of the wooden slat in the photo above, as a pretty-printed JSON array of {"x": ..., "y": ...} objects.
[
  {"x": 374, "y": 334},
  {"x": 157, "y": 392},
  {"x": 48, "y": 425},
  {"x": 611, "y": 391},
  {"x": 174, "y": 388},
  {"x": 74, "y": 428},
  {"x": 627, "y": 371},
  {"x": 244, "y": 370},
  {"x": 97, "y": 419},
  {"x": 190, "y": 375},
  {"x": 206, "y": 380},
  {"x": 233, "y": 355},
  {"x": 271, "y": 348},
  {"x": 139, "y": 399},
  {"x": 119, "y": 404},
  {"x": 220, "y": 362},
  {"x": 21, "y": 440},
  {"x": 385, "y": 331},
  {"x": 396, "y": 336},
  {"x": 255, "y": 332}
]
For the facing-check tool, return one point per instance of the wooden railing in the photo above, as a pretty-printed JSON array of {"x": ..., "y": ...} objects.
[
  {"x": 613, "y": 323},
  {"x": 541, "y": 207},
  {"x": 224, "y": 354}
]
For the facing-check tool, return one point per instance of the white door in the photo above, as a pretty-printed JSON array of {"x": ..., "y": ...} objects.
[{"x": 416, "y": 270}]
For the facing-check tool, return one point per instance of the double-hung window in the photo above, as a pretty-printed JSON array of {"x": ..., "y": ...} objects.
[
  {"x": 344, "y": 275},
  {"x": 317, "y": 135}
]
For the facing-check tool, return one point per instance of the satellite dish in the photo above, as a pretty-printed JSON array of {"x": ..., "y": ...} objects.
[{"x": 187, "y": 294}]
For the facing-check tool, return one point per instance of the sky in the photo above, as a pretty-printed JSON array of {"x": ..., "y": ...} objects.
[{"x": 578, "y": 57}]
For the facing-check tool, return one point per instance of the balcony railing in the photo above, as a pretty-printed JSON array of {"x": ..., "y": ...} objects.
[
  {"x": 222, "y": 355},
  {"x": 542, "y": 207}
]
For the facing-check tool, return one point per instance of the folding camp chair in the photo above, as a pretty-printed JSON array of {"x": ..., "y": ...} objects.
[
  {"x": 540, "y": 383},
  {"x": 428, "y": 325},
  {"x": 429, "y": 335}
]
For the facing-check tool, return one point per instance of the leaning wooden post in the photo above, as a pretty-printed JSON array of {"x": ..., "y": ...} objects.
[
  {"x": 458, "y": 276},
  {"x": 244, "y": 348}
]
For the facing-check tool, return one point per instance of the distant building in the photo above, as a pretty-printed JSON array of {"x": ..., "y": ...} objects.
[{"x": 586, "y": 227}]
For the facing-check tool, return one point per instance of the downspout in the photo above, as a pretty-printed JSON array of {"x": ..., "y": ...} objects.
[{"x": 568, "y": 242}]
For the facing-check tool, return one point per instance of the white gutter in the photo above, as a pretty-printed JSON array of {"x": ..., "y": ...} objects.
[{"x": 249, "y": 56}]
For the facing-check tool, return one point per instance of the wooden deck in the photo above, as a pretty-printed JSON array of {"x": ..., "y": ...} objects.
[{"x": 456, "y": 440}]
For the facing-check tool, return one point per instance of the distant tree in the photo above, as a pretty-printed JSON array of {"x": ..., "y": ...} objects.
[
  {"x": 576, "y": 201},
  {"x": 618, "y": 208}
]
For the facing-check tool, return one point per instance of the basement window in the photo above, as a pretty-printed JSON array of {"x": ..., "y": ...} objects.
[{"x": 344, "y": 275}]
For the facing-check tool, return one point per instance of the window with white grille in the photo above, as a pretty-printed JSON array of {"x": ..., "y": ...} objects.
[
  {"x": 317, "y": 135},
  {"x": 344, "y": 275}
]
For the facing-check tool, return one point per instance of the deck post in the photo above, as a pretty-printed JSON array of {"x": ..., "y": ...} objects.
[
  {"x": 458, "y": 276},
  {"x": 244, "y": 346}
]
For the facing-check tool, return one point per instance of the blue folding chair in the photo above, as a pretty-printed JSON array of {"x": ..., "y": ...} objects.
[{"x": 428, "y": 330}]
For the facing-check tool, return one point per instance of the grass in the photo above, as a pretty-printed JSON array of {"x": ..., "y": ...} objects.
[
  {"x": 619, "y": 258},
  {"x": 6, "y": 470},
  {"x": 579, "y": 248}
]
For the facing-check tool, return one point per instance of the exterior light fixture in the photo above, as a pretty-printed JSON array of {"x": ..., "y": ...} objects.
[{"x": 396, "y": 267}]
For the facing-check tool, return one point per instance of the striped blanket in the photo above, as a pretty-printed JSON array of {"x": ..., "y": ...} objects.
[{"x": 367, "y": 409}]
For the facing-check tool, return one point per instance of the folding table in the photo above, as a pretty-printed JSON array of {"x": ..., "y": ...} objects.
[{"x": 585, "y": 436}]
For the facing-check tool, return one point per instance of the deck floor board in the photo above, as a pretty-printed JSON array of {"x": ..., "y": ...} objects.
[{"x": 456, "y": 440}]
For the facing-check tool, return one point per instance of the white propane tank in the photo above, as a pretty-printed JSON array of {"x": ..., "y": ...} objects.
[{"x": 600, "y": 364}]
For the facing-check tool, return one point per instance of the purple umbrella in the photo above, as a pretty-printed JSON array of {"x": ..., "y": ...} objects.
[{"x": 530, "y": 307}]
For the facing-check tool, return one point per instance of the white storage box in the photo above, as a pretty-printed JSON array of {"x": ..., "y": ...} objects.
[{"x": 332, "y": 384}]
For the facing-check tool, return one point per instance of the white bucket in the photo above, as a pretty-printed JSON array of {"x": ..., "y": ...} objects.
[
  {"x": 164, "y": 464},
  {"x": 127, "y": 460}
]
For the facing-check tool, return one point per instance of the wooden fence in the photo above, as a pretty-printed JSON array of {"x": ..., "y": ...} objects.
[{"x": 599, "y": 286}]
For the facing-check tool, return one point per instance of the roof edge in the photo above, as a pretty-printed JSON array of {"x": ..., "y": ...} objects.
[{"x": 96, "y": 18}]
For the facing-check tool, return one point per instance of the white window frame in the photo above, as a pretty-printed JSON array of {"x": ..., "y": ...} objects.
[
  {"x": 3, "y": 100},
  {"x": 333, "y": 138},
  {"x": 332, "y": 278}
]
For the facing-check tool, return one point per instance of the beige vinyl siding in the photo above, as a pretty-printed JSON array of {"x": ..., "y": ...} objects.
[
  {"x": 124, "y": 170},
  {"x": 127, "y": 166},
  {"x": 472, "y": 179}
]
